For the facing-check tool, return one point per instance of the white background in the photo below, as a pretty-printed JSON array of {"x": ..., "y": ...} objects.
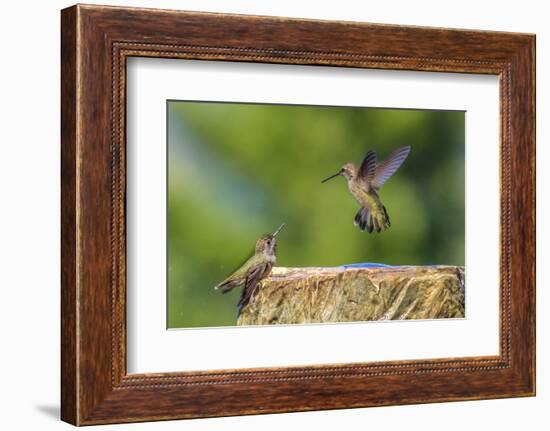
[
  {"x": 29, "y": 217},
  {"x": 151, "y": 348}
]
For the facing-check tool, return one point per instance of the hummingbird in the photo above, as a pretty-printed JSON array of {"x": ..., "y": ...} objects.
[
  {"x": 255, "y": 269},
  {"x": 365, "y": 182}
]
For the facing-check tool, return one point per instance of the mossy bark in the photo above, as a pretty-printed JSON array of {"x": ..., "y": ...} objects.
[{"x": 322, "y": 295}]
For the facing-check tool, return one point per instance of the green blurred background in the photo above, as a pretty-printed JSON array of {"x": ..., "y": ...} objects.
[{"x": 237, "y": 171}]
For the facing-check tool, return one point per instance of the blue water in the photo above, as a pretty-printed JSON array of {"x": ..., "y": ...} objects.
[
  {"x": 383, "y": 265},
  {"x": 369, "y": 265}
]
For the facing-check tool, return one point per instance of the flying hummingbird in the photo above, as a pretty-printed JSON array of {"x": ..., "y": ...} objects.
[
  {"x": 253, "y": 270},
  {"x": 364, "y": 183}
]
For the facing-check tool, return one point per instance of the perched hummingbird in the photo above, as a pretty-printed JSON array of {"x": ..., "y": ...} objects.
[
  {"x": 253, "y": 270},
  {"x": 364, "y": 183}
]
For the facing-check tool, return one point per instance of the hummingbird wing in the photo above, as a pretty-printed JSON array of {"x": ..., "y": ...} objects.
[
  {"x": 387, "y": 168},
  {"x": 253, "y": 278},
  {"x": 367, "y": 170},
  {"x": 237, "y": 278}
]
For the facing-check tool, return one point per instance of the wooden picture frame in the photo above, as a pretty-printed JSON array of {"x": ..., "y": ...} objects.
[{"x": 95, "y": 43}]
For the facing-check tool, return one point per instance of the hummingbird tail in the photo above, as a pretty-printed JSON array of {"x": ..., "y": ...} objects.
[
  {"x": 372, "y": 220},
  {"x": 246, "y": 295},
  {"x": 362, "y": 218}
]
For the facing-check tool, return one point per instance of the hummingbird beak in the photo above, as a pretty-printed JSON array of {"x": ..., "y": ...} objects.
[
  {"x": 332, "y": 176},
  {"x": 278, "y": 230}
]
